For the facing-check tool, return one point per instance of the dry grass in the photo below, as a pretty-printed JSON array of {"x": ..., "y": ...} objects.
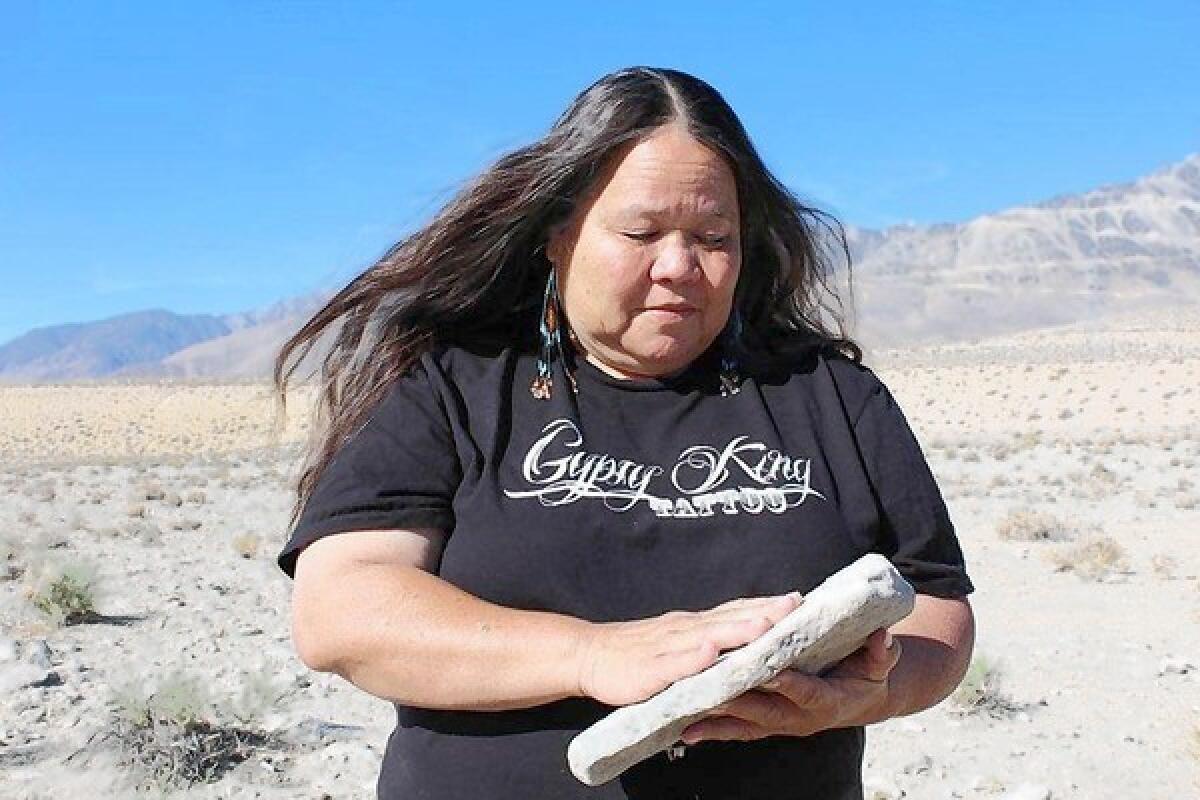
[
  {"x": 65, "y": 593},
  {"x": 246, "y": 544},
  {"x": 1092, "y": 559},
  {"x": 152, "y": 491},
  {"x": 1163, "y": 566},
  {"x": 1033, "y": 526},
  {"x": 12, "y": 565},
  {"x": 181, "y": 734},
  {"x": 160, "y": 420},
  {"x": 980, "y": 691}
]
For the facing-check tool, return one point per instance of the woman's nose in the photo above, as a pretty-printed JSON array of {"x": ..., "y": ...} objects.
[{"x": 676, "y": 259}]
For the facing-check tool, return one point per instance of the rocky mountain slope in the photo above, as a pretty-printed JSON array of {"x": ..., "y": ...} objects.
[
  {"x": 1121, "y": 249},
  {"x": 1116, "y": 249}
]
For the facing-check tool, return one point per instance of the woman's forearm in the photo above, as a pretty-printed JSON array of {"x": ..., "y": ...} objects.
[
  {"x": 937, "y": 640},
  {"x": 405, "y": 635},
  {"x": 377, "y": 618}
]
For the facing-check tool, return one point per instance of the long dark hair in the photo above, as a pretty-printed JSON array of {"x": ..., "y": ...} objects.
[{"x": 478, "y": 268}]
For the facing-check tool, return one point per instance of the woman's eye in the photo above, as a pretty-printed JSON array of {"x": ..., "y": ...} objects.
[{"x": 712, "y": 240}]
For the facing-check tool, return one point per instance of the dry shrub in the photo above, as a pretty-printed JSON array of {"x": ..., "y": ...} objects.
[
  {"x": 76, "y": 521},
  {"x": 1033, "y": 526},
  {"x": 64, "y": 592},
  {"x": 980, "y": 691},
  {"x": 12, "y": 565},
  {"x": 1092, "y": 559},
  {"x": 1027, "y": 440},
  {"x": 1164, "y": 566},
  {"x": 246, "y": 544},
  {"x": 180, "y": 734},
  {"x": 1001, "y": 451},
  {"x": 1104, "y": 476},
  {"x": 152, "y": 491},
  {"x": 1143, "y": 499},
  {"x": 147, "y": 533}
]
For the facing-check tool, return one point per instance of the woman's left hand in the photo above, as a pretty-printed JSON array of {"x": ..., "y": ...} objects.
[{"x": 854, "y": 692}]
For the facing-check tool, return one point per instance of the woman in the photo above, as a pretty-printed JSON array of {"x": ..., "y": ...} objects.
[{"x": 586, "y": 430}]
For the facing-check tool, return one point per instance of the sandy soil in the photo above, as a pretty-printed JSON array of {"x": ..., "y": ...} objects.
[{"x": 1068, "y": 459}]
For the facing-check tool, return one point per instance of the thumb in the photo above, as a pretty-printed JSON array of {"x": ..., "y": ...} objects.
[
  {"x": 882, "y": 656},
  {"x": 875, "y": 660}
]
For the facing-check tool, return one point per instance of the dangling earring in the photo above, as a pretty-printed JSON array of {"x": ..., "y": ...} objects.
[
  {"x": 731, "y": 378},
  {"x": 550, "y": 327}
]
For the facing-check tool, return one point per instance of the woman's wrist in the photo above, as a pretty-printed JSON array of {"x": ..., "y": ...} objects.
[{"x": 578, "y": 668}]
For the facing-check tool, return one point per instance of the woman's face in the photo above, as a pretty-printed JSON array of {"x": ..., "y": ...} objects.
[{"x": 648, "y": 262}]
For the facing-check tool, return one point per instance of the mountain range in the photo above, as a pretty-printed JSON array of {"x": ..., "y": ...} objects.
[{"x": 1117, "y": 249}]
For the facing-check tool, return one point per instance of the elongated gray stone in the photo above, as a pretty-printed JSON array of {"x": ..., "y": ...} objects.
[{"x": 831, "y": 623}]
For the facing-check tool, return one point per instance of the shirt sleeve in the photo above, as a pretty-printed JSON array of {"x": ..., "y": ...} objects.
[
  {"x": 915, "y": 530},
  {"x": 400, "y": 470}
]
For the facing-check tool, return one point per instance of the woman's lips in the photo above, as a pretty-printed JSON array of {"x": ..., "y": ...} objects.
[
  {"x": 671, "y": 312},
  {"x": 676, "y": 307}
]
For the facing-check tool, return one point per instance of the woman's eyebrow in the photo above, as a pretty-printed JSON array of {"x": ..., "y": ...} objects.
[{"x": 643, "y": 210}]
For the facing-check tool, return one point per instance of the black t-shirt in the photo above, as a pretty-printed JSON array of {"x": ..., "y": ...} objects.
[{"x": 625, "y": 501}]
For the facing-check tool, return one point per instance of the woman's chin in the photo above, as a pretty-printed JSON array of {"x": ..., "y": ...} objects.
[{"x": 661, "y": 359}]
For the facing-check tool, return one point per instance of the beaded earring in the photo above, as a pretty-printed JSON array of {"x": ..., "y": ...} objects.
[
  {"x": 730, "y": 342},
  {"x": 550, "y": 327}
]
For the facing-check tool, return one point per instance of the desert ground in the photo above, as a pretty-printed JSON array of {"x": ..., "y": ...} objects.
[{"x": 144, "y": 643}]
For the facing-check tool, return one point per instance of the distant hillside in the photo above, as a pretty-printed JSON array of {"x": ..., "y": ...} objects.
[
  {"x": 1116, "y": 249},
  {"x": 246, "y": 353},
  {"x": 96, "y": 349},
  {"x": 1131, "y": 248}
]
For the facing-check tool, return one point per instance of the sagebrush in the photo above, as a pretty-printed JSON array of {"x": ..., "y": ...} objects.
[
  {"x": 66, "y": 593},
  {"x": 182, "y": 733}
]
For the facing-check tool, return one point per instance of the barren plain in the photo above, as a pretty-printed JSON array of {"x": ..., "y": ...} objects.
[{"x": 144, "y": 642}]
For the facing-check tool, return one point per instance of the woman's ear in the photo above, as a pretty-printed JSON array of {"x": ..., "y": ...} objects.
[
  {"x": 559, "y": 243},
  {"x": 554, "y": 245}
]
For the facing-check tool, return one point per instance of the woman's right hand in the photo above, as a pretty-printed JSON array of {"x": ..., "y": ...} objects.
[{"x": 627, "y": 662}]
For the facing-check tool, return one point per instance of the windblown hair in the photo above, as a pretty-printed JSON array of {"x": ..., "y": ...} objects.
[{"x": 478, "y": 269}]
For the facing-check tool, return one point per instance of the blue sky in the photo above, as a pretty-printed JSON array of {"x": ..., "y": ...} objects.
[{"x": 218, "y": 156}]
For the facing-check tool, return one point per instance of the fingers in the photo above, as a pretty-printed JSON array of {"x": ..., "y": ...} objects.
[
  {"x": 736, "y": 633},
  {"x": 735, "y": 623},
  {"x": 695, "y": 639},
  {"x": 703, "y": 644},
  {"x": 881, "y": 653},
  {"x": 792, "y": 598},
  {"x": 663, "y": 649},
  {"x": 874, "y": 661},
  {"x": 729, "y": 625},
  {"x": 799, "y": 705},
  {"x": 748, "y": 608},
  {"x": 773, "y": 608},
  {"x": 804, "y": 691},
  {"x": 722, "y": 729}
]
